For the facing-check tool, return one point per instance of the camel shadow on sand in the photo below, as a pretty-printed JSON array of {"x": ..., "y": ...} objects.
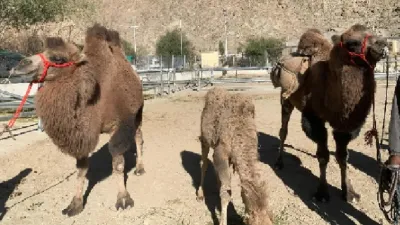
[
  {"x": 362, "y": 162},
  {"x": 8, "y": 187},
  {"x": 100, "y": 167},
  {"x": 304, "y": 183},
  {"x": 191, "y": 163}
]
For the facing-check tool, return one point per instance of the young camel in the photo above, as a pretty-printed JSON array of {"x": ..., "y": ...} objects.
[
  {"x": 227, "y": 125},
  {"x": 85, "y": 98}
]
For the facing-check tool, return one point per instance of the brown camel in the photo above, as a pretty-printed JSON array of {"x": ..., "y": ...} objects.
[
  {"x": 312, "y": 48},
  {"x": 96, "y": 94},
  {"x": 340, "y": 91},
  {"x": 227, "y": 126}
]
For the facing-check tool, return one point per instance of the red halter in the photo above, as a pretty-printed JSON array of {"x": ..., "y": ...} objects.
[
  {"x": 46, "y": 65},
  {"x": 362, "y": 55}
]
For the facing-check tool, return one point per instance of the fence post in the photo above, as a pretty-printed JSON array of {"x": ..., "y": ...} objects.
[
  {"x": 184, "y": 62},
  {"x": 169, "y": 79},
  {"x": 236, "y": 75},
  {"x": 174, "y": 79},
  {"x": 148, "y": 62},
  {"x": 161, "y": 77}
]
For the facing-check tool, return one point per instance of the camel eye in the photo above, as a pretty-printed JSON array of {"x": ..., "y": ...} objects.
[
  {"x": 58, "y": 59},
  {"x": 25, "y": 62}
]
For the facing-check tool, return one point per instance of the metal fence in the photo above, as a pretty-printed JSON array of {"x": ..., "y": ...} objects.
[
  {"x": 9, "y": 102},
  {"x": 159, "y": 81}
]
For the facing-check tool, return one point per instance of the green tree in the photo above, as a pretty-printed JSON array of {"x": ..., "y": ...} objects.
[
  {"x": 170, "y": 44},
  {"x": 22, "y": 13},
  {"x": 128, "y": 48},
  {"x": 259, "y": 49}
]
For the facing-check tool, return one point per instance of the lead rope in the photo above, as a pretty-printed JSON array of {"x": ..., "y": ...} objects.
[{"x": 46, "y": 65}]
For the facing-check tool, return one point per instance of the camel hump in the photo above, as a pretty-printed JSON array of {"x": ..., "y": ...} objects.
[
  {"x": 97, "y": 31},
  {"x": 113, "y": 37},
  {"x": 54, "y": 42}
]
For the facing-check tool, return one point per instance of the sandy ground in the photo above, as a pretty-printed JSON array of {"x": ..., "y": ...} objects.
[{"x": 37, "y": 181}]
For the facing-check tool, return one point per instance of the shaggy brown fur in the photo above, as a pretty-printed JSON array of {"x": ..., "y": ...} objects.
[
  {"x": 341, "y": 93},
  {"x": 80, "y": 102},
  {"x": 227, "y": 126}
]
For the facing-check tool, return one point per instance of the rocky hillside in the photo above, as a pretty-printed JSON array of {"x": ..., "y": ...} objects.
[{"x": 203, "y": 20}]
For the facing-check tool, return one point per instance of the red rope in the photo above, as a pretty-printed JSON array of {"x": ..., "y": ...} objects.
[
  {"x": 361, "y": 55},
  {"x": 47, "y": 65}
]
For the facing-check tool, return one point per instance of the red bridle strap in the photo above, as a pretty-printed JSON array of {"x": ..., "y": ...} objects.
[
  {"x": 362, "y": 55},
  {"x": 46, "y": 65}
]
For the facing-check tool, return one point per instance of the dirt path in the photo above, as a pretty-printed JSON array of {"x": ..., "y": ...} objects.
[{"x": 38, "y": 181}]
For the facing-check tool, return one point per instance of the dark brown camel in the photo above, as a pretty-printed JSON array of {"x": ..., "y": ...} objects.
[
  {"x": 340, "y": 91},
  {"x": 94, "y": 95},
  {"x": 228, "y": 126}
]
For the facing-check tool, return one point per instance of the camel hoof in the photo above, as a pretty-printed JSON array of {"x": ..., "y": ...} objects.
[
  {"x": 351, "y": 196},
  {"x": 74, "y": 208},
  {"x": 140, "y": 172},
  {"x": 322, "y": 195},
  {"x": 200, "y": 195},
  {"x": 124, "y": 201},
  {"x": 200, "y": 198}
]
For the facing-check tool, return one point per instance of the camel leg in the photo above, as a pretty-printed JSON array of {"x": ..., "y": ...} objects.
[
  {"x": 287, "y": 109},
  {"x": 120, "y": 142},
  {"x": 139, "y": 152},
  {"x": 315, "y": 129},
  {"x": 342, "y": 140},
  {"x": 221, "y": 164},
  {"x": 76, "y": 205},
  {"x": 205, "y": 149},
  {"x": 139, "y": 143}
]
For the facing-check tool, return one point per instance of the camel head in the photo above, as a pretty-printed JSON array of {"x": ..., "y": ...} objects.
[
  {"x": 255, "y": 198},
  {"x": 310, "y": 43},
  {"x": 358, "y": 41},
  {"x": 58, "y": 55}
]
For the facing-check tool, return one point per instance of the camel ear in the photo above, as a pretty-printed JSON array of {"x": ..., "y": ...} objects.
[
  {"x": 335, "y": 39},
  {"x": 81, "y": 59}
]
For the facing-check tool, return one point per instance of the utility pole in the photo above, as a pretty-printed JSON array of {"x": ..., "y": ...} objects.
[
  {"x": 180, "y": 28},
  {"x": 226, "y": 32},
  {"x": 134, "y": 37}
]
